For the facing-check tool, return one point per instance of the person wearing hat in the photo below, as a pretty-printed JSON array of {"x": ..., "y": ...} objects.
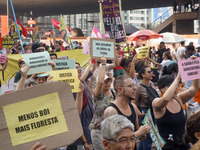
[
  {"x": 168, "y": 110},
  {"x": 37, "y": 47},
  {"x": 102, "y": 97},
  {"x": 26, "y": 48}
]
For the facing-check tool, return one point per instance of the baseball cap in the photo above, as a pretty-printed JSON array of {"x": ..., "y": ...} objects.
[{"x": 25, "y": 43}]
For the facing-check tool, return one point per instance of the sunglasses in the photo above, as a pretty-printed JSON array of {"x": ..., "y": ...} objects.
[{"x": 149, "y": 71}]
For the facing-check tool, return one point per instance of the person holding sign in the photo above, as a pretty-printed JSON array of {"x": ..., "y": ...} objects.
[
  {"x": 4, "y": 65},
  {"x": 103, "y": 96},
  {"x": 168, "y": 110}
]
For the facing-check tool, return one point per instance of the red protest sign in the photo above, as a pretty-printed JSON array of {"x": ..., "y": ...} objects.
[{"x": 3, "y": 58}]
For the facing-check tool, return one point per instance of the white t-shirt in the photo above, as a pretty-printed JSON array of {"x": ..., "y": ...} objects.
[
  {"x": 165, "y": 63},
  {"x": 173, "y": 52},
  {"x": 180, "y": 51}
]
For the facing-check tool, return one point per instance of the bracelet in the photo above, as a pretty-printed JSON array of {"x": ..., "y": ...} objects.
[{"x": 103, "y": 64}]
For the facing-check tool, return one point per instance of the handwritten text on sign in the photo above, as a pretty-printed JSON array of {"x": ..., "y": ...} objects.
[
  {"x": 69, "y": 76},
  {"x": 3, "y": 58},
  {"x": 189, "y": 69},
  {"x": 106, "y": 48},
  {"x": 38, "y": 62},
  {"x": 35, "y": 118},
  {"x": 142, "y": 52}
]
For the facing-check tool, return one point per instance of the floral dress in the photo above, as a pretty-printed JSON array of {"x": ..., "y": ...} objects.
[{"x": 100, "y": 104}]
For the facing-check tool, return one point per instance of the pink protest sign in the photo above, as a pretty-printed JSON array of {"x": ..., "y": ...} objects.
[
  {"x": 189, "y": 69},
  {"x": 3, "y": 58}
]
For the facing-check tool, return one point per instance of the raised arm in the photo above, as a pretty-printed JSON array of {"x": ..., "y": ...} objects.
[
  {"x": 24, "y": 70},
  {"x": 191, "y": 92},
  {"x": 154, "y": 62},
  {"x": 79, "y": 98},
  {"x": 160, "y": 103},
  {"x": 4, "y": 66},
  {"x": 90, "y": 68},
  {"x": 115, "y": 64},
  {"x": 132, "y": 70},
  {"x": 101, "y": 77}
]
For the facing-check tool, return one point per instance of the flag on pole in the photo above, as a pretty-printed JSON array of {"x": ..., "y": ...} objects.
[
  {"x": 57, "y": 24},
  {"x": 64, "y": 33},
  {"x": 96, "y": 33},
  {"x": 24, "y": 31}
]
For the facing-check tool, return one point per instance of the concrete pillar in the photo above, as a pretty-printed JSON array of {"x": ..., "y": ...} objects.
[{"x": 174, "y": 26}]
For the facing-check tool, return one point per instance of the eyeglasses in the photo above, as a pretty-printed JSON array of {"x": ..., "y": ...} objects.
[
  {"x": 149, "y": 71},
  {"x": 125, "y": 140},
  {"x": 22, "y": 62}
]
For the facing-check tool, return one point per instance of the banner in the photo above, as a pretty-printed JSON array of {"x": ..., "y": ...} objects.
[
  {"x": 64, "y": 64},
  {"x": 13, "y": 68},
  {"x": 64, "y": 33},
  {"x": 155, "y": 136},
  {"x": 39, "y": 113},
  {"x": 38, "y": 62},
  {"x": 189, "y": 69},
  {"x": 112, "y": 20},
  {"x": 69, "y": 76},
  {"x": 4, "y": 26},
  {"x": 100, "y": 47},
  {"x": 142, "y": 52}
]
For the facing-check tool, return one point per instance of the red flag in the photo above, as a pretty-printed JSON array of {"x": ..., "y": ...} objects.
[
  {"x": 57, "y": 24},
  {"x": 24, "y": 31}
]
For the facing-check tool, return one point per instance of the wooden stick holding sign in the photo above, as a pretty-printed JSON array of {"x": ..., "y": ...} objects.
[
  {"x": 99, "y": 47},
  {"x": 45, "y": 113}
]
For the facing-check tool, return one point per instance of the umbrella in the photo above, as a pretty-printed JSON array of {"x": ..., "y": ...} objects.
[
  {"x": 130, "y": 29},
  {"x": 143, "y": 35},
  {"x": 169, "y": 38}
]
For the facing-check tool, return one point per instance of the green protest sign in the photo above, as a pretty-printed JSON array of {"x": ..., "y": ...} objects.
[
  {"x": 155, "y": 136},
  {"x": 64, "y": 64}
]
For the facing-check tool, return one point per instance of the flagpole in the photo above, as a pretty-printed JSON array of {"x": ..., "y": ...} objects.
[{"x": 13, "y": 11}]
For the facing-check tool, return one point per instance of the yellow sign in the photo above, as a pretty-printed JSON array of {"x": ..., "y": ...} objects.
[
  {"x": 69, "y": 76},
  {"x": 142, "y": 52},
  {"x": 35, "y": 118},
  {"x": 8, "y": 42}
]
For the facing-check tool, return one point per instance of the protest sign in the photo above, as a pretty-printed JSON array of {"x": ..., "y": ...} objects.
[
  {"x": 142, "y": 52},
  {"x": 112, "y": 20},
  {"x": 13, "y": 68},
  {"x": 3, "y": 58},
  {"x": 8, "y": 42},
  {"x": 189, "y": 69},
  {"x": 99, "y": 47},
  {"x": 13, "y": 31},
  {"x": 63, "y": 57},
  {"x": 38, "y": 62},
  {"x": 64, "y": 64},
  {"x": 155, "y": 136},
  {"x": 69, "y": 76},
  {"x": 40, "y": 113}
]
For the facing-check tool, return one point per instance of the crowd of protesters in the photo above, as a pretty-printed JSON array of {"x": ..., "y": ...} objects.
[{"x": 128, "y": 87}]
